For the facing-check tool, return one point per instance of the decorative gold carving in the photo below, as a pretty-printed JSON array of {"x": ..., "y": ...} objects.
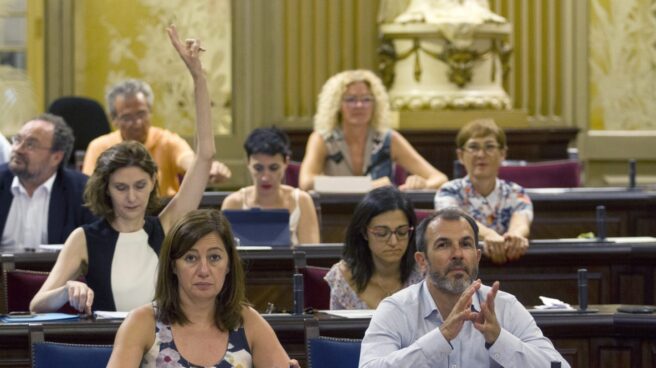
[
  {"x": 386, "y": 61},
  {"x": 460, "y": 60}
]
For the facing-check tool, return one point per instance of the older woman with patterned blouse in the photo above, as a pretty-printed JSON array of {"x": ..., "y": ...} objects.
[{"x": 502, "y": 209}]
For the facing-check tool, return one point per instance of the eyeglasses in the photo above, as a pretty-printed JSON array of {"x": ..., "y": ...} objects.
[
  {"x": 353, "y": 100},
  {"x": 475, "y": 148},
  {"x": 128, "y": 118},
  {"x": 29, "y": 144},
  {"x": 384, "y": 233}
]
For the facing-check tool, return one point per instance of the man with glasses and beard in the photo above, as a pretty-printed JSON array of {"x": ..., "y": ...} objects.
[
  {"x": 40, "y": 200},
  {"x": 451, "y": 319}
]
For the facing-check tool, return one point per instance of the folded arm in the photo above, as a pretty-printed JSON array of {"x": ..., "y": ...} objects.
[{"x": 424, "y": 175}]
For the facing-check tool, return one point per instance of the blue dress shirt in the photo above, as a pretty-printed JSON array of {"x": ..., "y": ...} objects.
[{"x": 404, "y": 333}]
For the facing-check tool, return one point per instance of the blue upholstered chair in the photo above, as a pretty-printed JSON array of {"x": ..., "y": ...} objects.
[
  {"x": 330, "y": 352},
  {"x": 55, "y": 354}
]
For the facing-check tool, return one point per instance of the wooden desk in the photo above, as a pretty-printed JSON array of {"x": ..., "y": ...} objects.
[
  {"x": 558, "y": 213},
  {"x": 604, "y": 339},
  {"x": 618, "y": 273}
]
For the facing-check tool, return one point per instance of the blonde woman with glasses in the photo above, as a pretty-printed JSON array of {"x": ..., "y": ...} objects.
[
  {"x": 378, "y": 256},
  {"x": 502, "y": 209},
  {"x": 352, "y": 136}
]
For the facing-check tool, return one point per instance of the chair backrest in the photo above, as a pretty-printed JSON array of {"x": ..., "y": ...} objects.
[
  {"x": 20, "y": 286},
  {"x": 545, "y": 174},
  {"x": 315, "y": 289},
  {"x": 85, "y": 116},
  {"x": 329, "y": 352},
  {"x": 292, "y": 173},
  {"x": 56, "y": 354},
  {"x": 399, "y": 175},
  {"x": 422, "y": 214}
]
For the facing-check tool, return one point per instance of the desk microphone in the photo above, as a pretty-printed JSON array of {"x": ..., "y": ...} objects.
[
  {"x": 299, "y": 302},
  {"x": 583, "y": 289},
  {"x": 601, "y": 222},
  {"x": 632, "y": 174}
]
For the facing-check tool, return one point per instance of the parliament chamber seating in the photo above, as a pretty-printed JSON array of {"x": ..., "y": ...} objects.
[
  {"x": 19, "y": 287},
  {"x": 329, "y": 352},
  {"x": 316, "y": 290},
  {"x": 46, "y": 354},
  {"x": 85, "y": 116}
]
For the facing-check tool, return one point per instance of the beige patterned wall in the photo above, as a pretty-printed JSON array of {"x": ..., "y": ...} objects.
[{"x": 623, "y": 64}]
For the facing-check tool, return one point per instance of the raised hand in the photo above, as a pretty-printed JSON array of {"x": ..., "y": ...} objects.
[
  {"x": 487, "y": 322},
  {"x": 460, "y": 313},
  {"x": 189, "y": 51},
  {"x": 80, "y": 296}
]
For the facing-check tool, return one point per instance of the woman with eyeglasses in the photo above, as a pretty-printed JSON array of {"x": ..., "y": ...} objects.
[
  {"x": 502, "y": 209},
  {"x": 267, "y": 151},
  {"x": 352, "y": 136},
  {"x": 378, "y": 257}
]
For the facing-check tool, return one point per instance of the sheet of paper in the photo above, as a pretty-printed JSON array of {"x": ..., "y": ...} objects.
[
  {"x": 110, "y": 315},
  {"x": 351, "y": 313},
  {"x": 51, "y": 246}
]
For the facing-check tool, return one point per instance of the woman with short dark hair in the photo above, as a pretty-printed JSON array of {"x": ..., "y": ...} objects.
[{"x": 267, "y": 151}]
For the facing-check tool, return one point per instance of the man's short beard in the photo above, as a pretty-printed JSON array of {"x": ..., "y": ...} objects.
[{"x": 455, "y": 285}]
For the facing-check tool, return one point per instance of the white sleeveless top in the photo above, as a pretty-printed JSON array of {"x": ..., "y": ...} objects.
[
  {"x": 294, "y": 216},
  {"x": 133, "y": 267}
]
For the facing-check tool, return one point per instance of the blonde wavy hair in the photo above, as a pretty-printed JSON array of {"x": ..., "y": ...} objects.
[{"x": 328, "y": 114}]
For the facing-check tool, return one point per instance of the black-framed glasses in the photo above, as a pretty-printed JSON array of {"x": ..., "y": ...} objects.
[
  {"x": 487, "y": 148},
  {"x": 29, "y": 144},
  {"x": 384, "y": 233}
]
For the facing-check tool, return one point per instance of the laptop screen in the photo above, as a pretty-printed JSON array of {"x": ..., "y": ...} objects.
[{"x": 256, "y": 226}]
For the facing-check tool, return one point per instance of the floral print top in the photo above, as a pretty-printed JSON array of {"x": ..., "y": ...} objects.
[
  {"x": 493, "y": 211},
  {"x": 164, "y": 353},
  {"x": 342, "y": 296}
]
